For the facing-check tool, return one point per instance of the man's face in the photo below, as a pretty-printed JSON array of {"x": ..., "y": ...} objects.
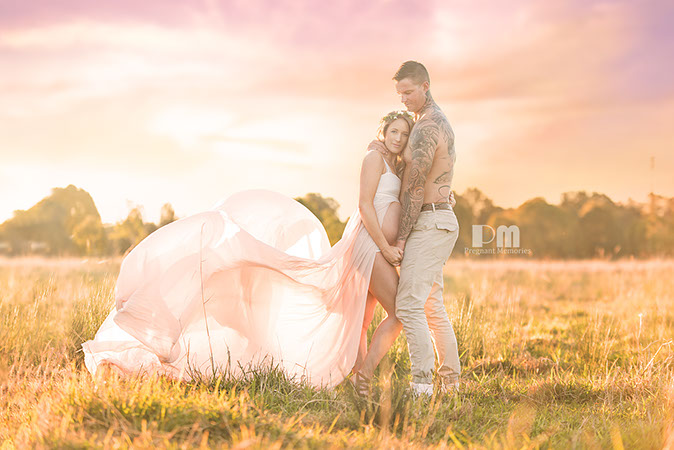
[{"x": 412, "y": 95}]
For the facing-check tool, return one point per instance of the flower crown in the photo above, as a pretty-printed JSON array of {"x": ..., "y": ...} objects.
[{"x": 390, "y": 117}]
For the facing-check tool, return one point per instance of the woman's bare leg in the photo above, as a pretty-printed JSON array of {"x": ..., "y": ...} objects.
[
  {"x": 383, "y": 285},
  {"x": 362, "y": 347}
]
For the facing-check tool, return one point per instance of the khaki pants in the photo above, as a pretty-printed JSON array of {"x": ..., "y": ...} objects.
[{"x": 419, "y": 303}]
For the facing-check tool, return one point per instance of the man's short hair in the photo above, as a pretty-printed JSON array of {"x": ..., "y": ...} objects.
[{"x": 414, "y": 71}]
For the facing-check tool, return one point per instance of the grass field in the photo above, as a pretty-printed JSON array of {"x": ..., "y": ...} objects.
[{"x": 554, "y": 355}]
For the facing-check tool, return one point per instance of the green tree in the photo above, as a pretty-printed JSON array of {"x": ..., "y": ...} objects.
[
  {"x": 128, "y": 233},
  {"x": 89, "y": 237},
  {"x": 472, "y": 207},
  {"x": 56, "y": 222},
  {"x": 481, "y": 206},
  {"x": 168, "y": 215},
  {"x": 658, "y": 222},
  {"x": 325, "y": 208},
  {"x": 574, "y": 201},
  {"x": 548, "y": 230},
  {"x": 598, "y": 228}
]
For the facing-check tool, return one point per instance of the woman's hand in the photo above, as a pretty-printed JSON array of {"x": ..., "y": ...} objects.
[
  {"x": 392, "y": 254},
  {"x": 452, "y": 200}
]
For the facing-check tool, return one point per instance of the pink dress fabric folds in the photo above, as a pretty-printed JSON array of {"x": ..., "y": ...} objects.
[{"x": 252, "y": 281}]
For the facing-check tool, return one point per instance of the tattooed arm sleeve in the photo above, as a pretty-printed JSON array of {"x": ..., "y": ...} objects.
[{"x": 423, "y": 142}]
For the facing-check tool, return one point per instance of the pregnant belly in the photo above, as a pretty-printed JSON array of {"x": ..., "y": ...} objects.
[{"x": 391, "y": 222}]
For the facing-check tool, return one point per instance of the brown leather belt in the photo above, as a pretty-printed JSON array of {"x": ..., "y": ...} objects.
[{"x": 435, "y": 206}]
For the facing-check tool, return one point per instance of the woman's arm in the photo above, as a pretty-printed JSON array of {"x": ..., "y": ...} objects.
[{"x": 370, "y": 173}]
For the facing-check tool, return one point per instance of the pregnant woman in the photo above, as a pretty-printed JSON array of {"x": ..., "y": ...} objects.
[{"x": 254, "y": 281}]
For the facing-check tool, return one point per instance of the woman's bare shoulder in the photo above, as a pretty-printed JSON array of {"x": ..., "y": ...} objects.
[{"x": 373, "y": 159}]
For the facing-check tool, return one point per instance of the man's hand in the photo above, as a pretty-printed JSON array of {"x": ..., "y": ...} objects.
[
  {"x": 392, "y": 254},
  {"x": 378, "y": 146},
  {"x": 400, "y": 244},
  {"x": 452, "y": 200}
]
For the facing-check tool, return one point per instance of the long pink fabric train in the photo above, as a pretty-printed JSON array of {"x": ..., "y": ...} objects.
[{"x": 251, "y": 281}]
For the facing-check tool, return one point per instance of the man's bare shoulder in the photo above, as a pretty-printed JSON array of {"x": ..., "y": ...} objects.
[
  {"x": 424, "y": 122},
  {"x": 424, "y": 130},
  {"x": 439, "y": 117},
  {"x": 424, "y": 138}
]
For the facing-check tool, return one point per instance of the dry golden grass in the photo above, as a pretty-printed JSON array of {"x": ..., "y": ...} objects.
[{"x": 555, "y": 354}]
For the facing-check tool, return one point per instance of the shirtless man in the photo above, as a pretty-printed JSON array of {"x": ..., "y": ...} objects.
[{"x": 427, "y": 234}]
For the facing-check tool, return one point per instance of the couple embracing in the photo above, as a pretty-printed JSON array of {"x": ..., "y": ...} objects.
[{"x": 254, "y": 281}]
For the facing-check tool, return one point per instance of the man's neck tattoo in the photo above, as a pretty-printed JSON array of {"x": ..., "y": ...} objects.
[{"x": 428, "y": 105}]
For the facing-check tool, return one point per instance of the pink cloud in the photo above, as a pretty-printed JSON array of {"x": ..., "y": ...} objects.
[
  {"x": 43, "y": 12},
  {"x": 553, "y": 89}
]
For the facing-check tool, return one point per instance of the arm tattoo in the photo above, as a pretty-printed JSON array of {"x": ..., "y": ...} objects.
[
  {"x": 423, "y": 142},
  {"x": 443, "y": 178},
  {"x": 443, "y": 182}
]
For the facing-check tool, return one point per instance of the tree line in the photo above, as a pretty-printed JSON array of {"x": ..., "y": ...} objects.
[{"x": 67, "y": 223}]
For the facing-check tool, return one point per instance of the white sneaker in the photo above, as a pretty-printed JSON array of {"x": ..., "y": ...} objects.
[
  {"x": 451, "y": 388},
  {"x": 420, "y": 389}
]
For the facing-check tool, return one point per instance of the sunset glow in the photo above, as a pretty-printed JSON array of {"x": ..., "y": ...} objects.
[{"x": 143, "y": 103}]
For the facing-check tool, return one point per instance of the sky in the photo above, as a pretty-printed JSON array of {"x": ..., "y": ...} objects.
[{"x": 146, "y": 102}]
